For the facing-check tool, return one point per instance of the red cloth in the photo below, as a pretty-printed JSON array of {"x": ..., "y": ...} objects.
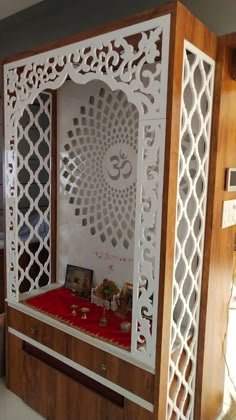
[{"x": 57, "y": 303}]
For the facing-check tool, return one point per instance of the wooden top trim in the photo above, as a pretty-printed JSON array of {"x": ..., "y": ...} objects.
[
  {"x": 228, "y": 40},
  {"x": 195, "y": 31},
  {"x": 169, "y": 8}
]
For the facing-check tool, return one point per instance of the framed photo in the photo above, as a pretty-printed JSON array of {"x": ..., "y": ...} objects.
[
  {"x": 79, "y": 280},
  {"x": 127, "y": 292}
]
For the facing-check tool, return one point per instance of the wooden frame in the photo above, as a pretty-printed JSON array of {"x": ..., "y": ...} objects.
[
  {"x": 184, "y": 27},
  {"x": 127, "y": 292},
  {"x": 2, "y": 291},
  {"x": 230, "y": 184},
  {"x": 218, "y": 267}
]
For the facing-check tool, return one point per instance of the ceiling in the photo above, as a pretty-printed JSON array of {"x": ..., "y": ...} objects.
[{"x": 10, "y": 7}]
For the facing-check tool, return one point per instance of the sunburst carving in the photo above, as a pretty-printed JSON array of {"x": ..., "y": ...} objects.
[{"x": 99, "y": 166}]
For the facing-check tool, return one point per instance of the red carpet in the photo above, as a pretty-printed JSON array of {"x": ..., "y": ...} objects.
[{"x": 57, "y": 303}]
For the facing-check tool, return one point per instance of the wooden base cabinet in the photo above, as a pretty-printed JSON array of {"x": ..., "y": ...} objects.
[
  {"x": 52, "y": 393},
  {"x": 40, "y": 379}
]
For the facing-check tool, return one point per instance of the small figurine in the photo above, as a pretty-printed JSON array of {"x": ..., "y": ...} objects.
[
  {"x": 125, "y": 326},
  {"x": 74, "y": 312},
  {"x": 84, "y": 312},
  {"x": 103, "y": 322},
  {"x": 122, "y": 309}
]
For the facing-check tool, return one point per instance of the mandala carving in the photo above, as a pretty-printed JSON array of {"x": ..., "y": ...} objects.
[{"x": 99, "y": 171}]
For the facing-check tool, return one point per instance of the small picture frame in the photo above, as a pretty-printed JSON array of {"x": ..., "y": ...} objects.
[
  {"x": 230, "y": 179},
  {"x": 79, "y": 280},
  {"x": 127, "y": 293}
]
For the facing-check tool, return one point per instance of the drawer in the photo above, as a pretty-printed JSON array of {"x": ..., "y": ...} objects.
[
  {"x": 38, "y": 331},
  {"x": 122, "y": 373},
  {"x": 76, "y": 350},
  {"x": 130, "y": 377}
]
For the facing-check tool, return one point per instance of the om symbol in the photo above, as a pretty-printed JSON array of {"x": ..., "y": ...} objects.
[{"x": 121, "y": 166}]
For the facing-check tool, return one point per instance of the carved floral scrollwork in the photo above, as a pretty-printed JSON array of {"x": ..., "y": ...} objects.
[
  {"x": 138, "y": 65},
  {"x": 148, "y": 246}
]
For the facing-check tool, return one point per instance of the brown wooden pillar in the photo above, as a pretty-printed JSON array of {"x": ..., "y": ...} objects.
[
  {"x": 185, "y": 26},
  {"x": 218, "y": 267}
]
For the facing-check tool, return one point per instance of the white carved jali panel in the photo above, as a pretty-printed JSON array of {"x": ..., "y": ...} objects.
[
  {"x": 133, "y": 63},
  {"x": 147, "y": 241},
  {"x": 34, "y": 194},
  {"x": 196, "y": 114}
]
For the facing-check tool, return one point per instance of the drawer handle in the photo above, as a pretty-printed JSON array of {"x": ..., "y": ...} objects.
[
  {"x": 103, "y": 367},
  {"x": 33, "y": 330}
]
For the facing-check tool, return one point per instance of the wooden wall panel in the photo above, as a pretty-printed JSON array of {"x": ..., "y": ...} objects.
[
  {"x": 218, "y": 267},
  {"x": 184, "y": 26},
  {"x": 2, "y": 288}
]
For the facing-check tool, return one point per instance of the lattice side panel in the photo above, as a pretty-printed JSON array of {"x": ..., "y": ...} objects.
[
  {"x": 196, "y": 112},
  {"x": 34, "y": 194}
]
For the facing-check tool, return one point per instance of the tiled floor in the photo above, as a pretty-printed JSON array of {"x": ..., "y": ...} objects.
[{"x": 13, "y": 408}]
